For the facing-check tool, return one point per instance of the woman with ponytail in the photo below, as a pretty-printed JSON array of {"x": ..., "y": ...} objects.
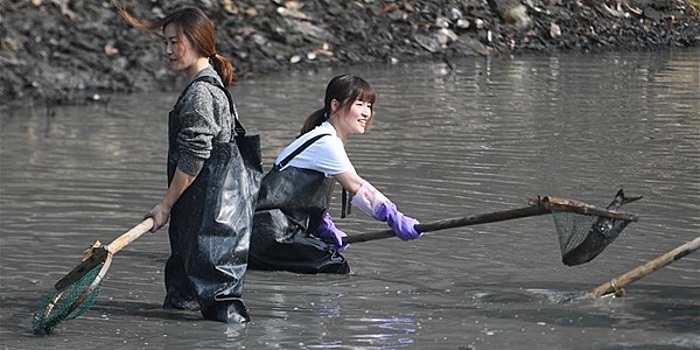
[
  {"x": 208, "y": 255},
  {"x": 292, "y": 227}
]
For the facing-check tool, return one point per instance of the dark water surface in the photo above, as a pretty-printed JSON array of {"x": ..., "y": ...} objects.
[{"x": 485, "y": 137}]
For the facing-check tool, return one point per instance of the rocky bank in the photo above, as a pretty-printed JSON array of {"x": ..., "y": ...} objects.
[{"x": 74, "y": 51}]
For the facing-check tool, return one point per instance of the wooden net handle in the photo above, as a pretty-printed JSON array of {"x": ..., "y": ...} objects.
[
  {"x": 130, "y": 236},
  {"x": 532, "y": 210},
  {"x": 98, "y": 253}
]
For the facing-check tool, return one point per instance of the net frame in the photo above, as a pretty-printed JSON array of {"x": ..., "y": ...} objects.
[
  {"x": 556, "y": 204},
  {"x": 71, "y": 300}
]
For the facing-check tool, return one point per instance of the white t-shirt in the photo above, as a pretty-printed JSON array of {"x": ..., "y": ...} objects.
[{"x": 327, "y": 155}]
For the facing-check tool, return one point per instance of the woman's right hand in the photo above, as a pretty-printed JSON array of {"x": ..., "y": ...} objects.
[
  {"x": 160, "y": 214},
  {"x": 327, "y": 229}
]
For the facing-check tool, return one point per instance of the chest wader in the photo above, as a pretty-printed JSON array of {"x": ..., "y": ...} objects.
[
  {"x": 209, "y": 235},
  {"x": 291, "y": 204}
]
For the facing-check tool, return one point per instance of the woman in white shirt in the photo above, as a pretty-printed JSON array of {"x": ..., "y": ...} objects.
[{"x": 291, "y": 220}]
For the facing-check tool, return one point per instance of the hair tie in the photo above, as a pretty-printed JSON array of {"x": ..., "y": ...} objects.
[
  {"x": 212, "y": 56},
  {"x": 325, "y": 115}
]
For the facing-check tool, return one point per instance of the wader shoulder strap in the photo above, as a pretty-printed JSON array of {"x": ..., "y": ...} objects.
[
  {"x": 238, "y": 127},
  {"x": 346, "y": 204},
  {"x": 300, "y": 149},
  {"x": 345, "y": 201}
]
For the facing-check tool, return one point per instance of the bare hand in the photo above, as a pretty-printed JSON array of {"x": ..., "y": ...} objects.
[{"x": 160, "y": 214}]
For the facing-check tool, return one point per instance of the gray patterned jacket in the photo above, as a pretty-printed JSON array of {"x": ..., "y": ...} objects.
[{"x": 203, "y": 113}]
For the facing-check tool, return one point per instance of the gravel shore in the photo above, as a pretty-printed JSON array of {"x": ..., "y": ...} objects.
[{"x": 67, "y": 51}]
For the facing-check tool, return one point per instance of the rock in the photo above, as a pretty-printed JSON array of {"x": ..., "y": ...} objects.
[
  {"x": 518, "y": 17},
  {"x": 652, "y": 14},
  {"x": 511, "y": 12},
  {"x": 428, "y": 42},
  {"x": 554, "y": 30}
]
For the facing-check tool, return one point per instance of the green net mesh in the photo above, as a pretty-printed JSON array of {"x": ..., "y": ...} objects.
[
  {"x": 57, "y": 306},
  {"x": 583, "y": 237}
]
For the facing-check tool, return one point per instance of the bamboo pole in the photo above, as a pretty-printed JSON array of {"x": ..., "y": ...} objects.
[
  {"x": 532, "y": 210},
  {"x": 616, "y": 284}
]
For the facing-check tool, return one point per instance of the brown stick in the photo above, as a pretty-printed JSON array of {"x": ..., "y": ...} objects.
[
  {"x": 532, "y": 210},
  {"x": 616, "y": 284},
  {"x": 130, "y": 236},
  {"x": 98, "y": 253}
]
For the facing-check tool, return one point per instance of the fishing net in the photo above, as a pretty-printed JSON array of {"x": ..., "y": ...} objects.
[
  {"x": 75, "y": 293},
  {"x": 583, "y": 230},
  {"x": 582, "y": 236},
  {"x": 67, "y": 303}
]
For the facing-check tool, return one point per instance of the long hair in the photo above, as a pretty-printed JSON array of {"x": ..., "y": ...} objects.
[
  {"x": 195, "y": 26},
  {"x": 346, "y": 89}
]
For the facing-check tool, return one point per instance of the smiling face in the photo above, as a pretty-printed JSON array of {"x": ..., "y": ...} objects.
[
  {"x": 352, "y": 118},
  {"x": 180, "y": 52},
  {"x": 348, "y": 105}
]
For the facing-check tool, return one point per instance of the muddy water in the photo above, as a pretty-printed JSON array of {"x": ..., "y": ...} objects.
[{"x": 483, "y": 137}]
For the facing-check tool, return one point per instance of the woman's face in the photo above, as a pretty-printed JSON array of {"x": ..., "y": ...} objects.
[
  {"x": 181, "y": 55},
  {"x": 354, "y": 120}
]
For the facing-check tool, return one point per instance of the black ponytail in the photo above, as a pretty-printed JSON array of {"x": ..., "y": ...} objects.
[{"x": 315, "y": 119}]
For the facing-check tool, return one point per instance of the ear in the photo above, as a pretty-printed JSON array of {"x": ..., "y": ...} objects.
[{"x": 335, "y": 104}]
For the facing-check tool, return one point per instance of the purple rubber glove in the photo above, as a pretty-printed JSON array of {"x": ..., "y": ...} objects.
[
  {"x": 327, "y": 229},
  {"x": 403, "y": 226}
]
